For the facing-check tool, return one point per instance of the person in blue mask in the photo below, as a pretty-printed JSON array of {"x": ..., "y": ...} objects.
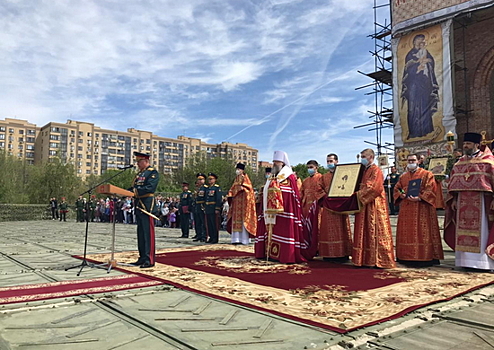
[
  {"x": 335, "y": 235},
  {"x": 310, "y": 187}
]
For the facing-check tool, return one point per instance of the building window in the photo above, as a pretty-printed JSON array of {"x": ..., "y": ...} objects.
[
  {"x": 55, "y": 129},
  {"x": 88, "y": 163},
  {"x": 81, "y": 133},
  {"x": 11, "y": 130},
  {"x": 21, "y": 132},
  {"x": 53, "y": 145},
  {"x": 2, "y": 136},
  {"x": 89, "y": 134},
  {"x": 80, "y": 141},
  {"x": 52, "y": 153},
  {"x": 2, "y": 128},
  {"x": 79, "y": 148}
]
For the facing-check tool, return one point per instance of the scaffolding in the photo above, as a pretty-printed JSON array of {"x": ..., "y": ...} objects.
[{"x": 382, "y": 85}]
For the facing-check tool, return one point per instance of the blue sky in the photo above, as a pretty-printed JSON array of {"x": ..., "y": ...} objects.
[{"x": 275, "y": 74}]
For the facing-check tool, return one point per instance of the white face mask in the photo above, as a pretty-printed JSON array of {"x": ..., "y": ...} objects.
[
  {"x": 412, "y": 166},
  {"x": 238, "y": 171}
]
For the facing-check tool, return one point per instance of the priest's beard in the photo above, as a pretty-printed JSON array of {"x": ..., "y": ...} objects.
[
  {"x": 276, "y": 169},
  {"x": 470, "y": 151}
]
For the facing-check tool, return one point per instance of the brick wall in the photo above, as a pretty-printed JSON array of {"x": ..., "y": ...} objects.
[{"x": 474, "y": 45}]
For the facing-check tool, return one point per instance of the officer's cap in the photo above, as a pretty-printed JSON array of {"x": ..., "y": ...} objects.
[
  {"x": 213, "y": 175},
  {"x": 201, "y": 175},
  {"x": 139, "y": 156}
]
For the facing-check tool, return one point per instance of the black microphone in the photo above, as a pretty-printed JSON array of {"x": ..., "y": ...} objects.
[{"x": 126, "y": 167}]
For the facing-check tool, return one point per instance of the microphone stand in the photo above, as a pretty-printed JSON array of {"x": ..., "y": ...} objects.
[{"x": 84, "y": 262}]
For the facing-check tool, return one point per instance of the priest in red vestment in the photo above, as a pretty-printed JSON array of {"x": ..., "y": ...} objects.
[
  {"x": 242, "y": 220},
  {"x": 468, "y": 224},
  {"x": 373, "y": 240},
  {"x": 335, "y": 237},
  {"x": 279, "y": 228},
  {"x": 309, "y": 191},
  {"x": 418, "y": 241}
]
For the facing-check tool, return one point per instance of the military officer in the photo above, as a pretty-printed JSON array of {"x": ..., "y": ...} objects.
[
  {"x": 144, "y": 187},
  {"x": 79, "y": 207},
  {"x": 92, "y": 207},
  {"x": 391, "y": 181},
  {"x": 64, "y": 208},
  {"x": 213, "y": 208},
  {"x": 185, "y": 208},
  {"x": 200, "y": 202}
]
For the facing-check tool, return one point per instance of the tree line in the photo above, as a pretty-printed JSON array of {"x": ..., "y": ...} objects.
[{"x": 23, "y": 183}]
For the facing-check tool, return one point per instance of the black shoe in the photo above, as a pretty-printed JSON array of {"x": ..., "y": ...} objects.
[
  {"x": 137, "y": 263},
  {"x": 196, "y": 240},
  {"x": 195, "y": 237},
  {"x": 184, "y": 236},
  {"x": 146, "y": 265}
]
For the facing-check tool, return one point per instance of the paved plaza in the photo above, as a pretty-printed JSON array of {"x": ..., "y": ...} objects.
[{"x": 39, "y": 252}]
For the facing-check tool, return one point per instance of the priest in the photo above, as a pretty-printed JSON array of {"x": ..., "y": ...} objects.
[
  {"x": 279, "y": 228},
  {"x": 418, "y": 241},
  {"x": 242, "y": 221},
  {"x": 373, "y": 240},
  {"x": 469, "y": 219}
]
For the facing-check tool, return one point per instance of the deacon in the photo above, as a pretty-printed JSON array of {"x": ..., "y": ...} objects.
[
  {"x": 185, "y": 209},
  {"x": 279, "y": 228},
  {"x": 310, "y": 187},
  {"x": 199, "y": 204},
  {"x": 213, "y": 207},
  {"x": 144, "y": 186},
  {"x": 418, "y": 242},
  {"x": 470, "y": 206},
  {"x": 242, "y": 213},
  {"x": 373, "y": 241},
  {"x": 335, "y": 236}
]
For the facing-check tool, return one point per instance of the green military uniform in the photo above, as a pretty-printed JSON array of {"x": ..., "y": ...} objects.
[
  {"x": 185, "y": 209},
  {"x": 92, "y": 208},
  {"x": 144, "y": 187},
  {"x": 199, "y": 215},
  {"x": 79, "y": 207},
  {"x": 64, "y": 208},
  {"x": 213, "y": 209}
]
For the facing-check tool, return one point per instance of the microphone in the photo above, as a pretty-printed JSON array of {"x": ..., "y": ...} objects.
[{"x": 128, "y": 166}]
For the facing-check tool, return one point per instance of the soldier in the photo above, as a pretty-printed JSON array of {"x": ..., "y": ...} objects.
[
  {"x": 185, "y": 208},
  {"x": 199, "y": 215},
  {"x": 64, "y": 208},
  {"x": 92, "y": 207},
  {"x": 391, "y": 181},
  {"x": 144, "y": 187},
  {"x": 54, "y": 208},
  {"x": 213, "y": 208},
  {"x": 79, "y": 207}
]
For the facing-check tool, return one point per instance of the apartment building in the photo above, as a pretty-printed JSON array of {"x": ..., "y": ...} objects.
[
  {"x": 18, "y": 138},
  {"x": 94, "y": 150}
]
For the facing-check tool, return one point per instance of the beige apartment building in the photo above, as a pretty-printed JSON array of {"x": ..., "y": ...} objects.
[{"x": 94, "y": 150}]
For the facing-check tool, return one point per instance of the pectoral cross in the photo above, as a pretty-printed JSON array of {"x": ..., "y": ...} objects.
[{"x": 467, "y": 176}]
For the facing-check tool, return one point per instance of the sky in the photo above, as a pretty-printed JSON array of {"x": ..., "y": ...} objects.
[{"x": 274, "y": 74}]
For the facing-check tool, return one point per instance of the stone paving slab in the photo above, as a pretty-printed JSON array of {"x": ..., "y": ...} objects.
[{"x": 39, "y": 251}]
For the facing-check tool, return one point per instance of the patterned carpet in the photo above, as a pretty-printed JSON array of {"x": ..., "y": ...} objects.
[
  {"x": 41, "y": 291},
  {"x": 339, "y": 297}
]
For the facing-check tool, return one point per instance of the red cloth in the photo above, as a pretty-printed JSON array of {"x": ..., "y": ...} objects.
[{"x": 287, "y": 233}]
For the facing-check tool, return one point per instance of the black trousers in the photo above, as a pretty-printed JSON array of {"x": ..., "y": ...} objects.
[
  {"x": 212, "y": 226},
  {"x": 62, "y": 215},
  {"x": 200, "y": 225},
  {"x": 145, "y": 238},
  {"x": 184, "y": 224},
  {"x": 54, "y": 213}
]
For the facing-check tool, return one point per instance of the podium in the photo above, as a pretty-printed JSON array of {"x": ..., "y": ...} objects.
[{"x": 116, "y": 192}]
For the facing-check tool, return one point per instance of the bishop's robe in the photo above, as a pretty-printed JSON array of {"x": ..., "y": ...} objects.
[
  {"x": 373, "y": 240},
  {"x": 242, "y": 212},
  {"x": 309, "y": 192},
  {"x": 335, "y": 237},
  {"x": 281, "y": 211},
  {"x": 417, "y": 235},
  {"x": 469, "y": 229}
]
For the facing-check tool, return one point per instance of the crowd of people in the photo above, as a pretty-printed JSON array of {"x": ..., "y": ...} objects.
[{"x": 292, "y": 221}]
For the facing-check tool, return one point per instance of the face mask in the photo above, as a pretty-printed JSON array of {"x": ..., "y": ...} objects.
[
  {"x": 311, "y": 171},
  {"x": 412, "y": 166},
  {"x": 238, "y": 172},
  {"x": 330, "y": 166},
  {"x": 267, "y": 176},
  {"x": 364, "y": 161}
]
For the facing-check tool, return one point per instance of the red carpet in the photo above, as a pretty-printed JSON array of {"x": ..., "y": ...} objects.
[
  {"x": 333, "y": 296},
  {"x": 41, "y": 291}
]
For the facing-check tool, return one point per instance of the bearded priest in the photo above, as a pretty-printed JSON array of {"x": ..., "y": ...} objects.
[
  {"x": 469, "y": 220},
  {"x": 279, "y": 229}
]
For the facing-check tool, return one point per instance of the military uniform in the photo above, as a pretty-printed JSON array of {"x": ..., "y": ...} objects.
[
  {"x": 79, "y": 207},
  {"x": 144, "y": 187},
  {"x": 185, "y": 209},
  {"x": 199, "y": 215},
  {"x": 92, "y": 208},
  {"x": 391, "y": 181},
  {"x": 64, "y": 208},
  {"x": 213, "y": 207}
]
